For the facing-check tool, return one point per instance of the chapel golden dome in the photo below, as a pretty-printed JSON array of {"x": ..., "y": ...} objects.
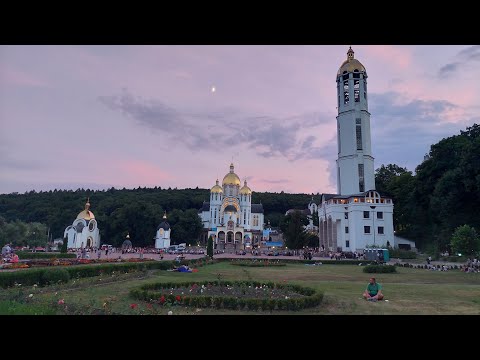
[
  {"x": 86, "y": 214},
  {"x": 351, "y": 64},
  {"x": 245, "y": 190},
  {"x": 216, "y": 188},
  {"x": 231, "y": 178}
]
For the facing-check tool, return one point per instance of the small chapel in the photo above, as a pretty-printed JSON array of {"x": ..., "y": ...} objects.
[{"x": 84, "y": 232}]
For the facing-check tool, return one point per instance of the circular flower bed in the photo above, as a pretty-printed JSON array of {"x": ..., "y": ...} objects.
[{"x": 236, "y": 295}]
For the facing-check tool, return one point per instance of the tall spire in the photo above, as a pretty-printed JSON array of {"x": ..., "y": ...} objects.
[
  {"x": 231, "y": 167},
  {"x": 165, "y": 212},
  {"x": 87, "y": 204},
  {"x": 350, "y": 54}
]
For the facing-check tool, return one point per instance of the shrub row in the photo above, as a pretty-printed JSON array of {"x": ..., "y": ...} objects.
[
  {"x": 311, "y": 297},
  {"x": 47, "y": 276},
  {"x": 23, "y": 255},
  {"x": 299, "y": 261},
  {"x": 379, "y": 269},
  {"x": 402, "y": 254}
]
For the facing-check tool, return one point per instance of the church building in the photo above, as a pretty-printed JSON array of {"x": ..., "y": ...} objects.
[
  {"x": 162, "y": 238},
  {"x": 230, "y": 217},
  {"x": 84, "y": 231},
  {"x": 357, "y": 216}
]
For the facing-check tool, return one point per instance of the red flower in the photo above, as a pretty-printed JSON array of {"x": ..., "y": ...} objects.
[
  {"x": 133, "y": 306},
  {"x": 149, "y": 306},
  {"x": 61, "y": 302},
  {"x": 178, "y": 298},
  {"x": 162, "y": 299}
]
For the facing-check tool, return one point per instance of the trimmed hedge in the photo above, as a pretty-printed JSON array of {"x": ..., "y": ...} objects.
[
  {"x": 402, "y": 254},
  {"x": 379, "y": 269},
  {"x": 23, "y": 255},
  {"x": 311, "y": 297},
  {"x": 299, "y": 261},
  {"x": 40, "y": 276}
]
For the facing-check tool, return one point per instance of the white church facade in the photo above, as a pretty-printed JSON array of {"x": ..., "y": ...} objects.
[
  {"x": 230, "y": 217},
  {"x": 357, "y": 216},
  {"x": 162, "y": 238},
  {"x": 84, "y": 231}
]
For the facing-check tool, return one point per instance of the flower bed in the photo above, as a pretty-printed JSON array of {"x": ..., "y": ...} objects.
[{"x": 236, "y": 295}]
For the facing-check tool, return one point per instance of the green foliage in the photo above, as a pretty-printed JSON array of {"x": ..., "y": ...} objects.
[
  {"x": 402, "y": 254},
  {"x": 17, "y": 308},
  {"x": 466, "y": 241},
  {"x": 293, "y": 230},
  {"x": 21, "y": 233},
  {"x": 55, "y": 276},
  {"x": 117, "y": 211},
  {"x": 63, "y": 249},
  {"x": 210, "y": 247},
  {"x": 443, "y": 194},
  {"x": 379, "y": 269}
]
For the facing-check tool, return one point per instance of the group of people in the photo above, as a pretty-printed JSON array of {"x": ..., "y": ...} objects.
[{"x": 8, "y": 255}]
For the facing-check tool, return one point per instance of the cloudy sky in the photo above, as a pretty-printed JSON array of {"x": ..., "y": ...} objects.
[{"x": 129, "y": 116}]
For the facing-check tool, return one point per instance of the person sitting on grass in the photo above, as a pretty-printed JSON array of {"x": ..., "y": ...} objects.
[{"x": 373, "y": 292}]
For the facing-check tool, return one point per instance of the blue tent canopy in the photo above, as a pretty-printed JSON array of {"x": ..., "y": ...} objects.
[{"x": 274, "y": 243}]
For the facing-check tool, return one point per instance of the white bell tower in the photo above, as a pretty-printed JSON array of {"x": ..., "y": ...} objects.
[{"x": 355, "y": 168}]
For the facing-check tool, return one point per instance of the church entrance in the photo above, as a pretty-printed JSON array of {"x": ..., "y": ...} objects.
[
  {"x": 229, "y": 247},
  {"x": 89, "y": 241}
]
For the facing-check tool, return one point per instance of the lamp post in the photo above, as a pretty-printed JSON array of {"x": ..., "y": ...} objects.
[{"x": 373, "y": 219}]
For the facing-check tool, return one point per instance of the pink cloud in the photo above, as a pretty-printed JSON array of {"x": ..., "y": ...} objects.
[
  {"x": 141, "y": 173},
  {"x": 13, "y": 76},
  {"x": 399, "y": 57}
]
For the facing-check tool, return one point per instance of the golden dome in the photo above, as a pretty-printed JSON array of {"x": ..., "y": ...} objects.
[
  {"x": 231, "y": 178},
  {"x": 216, "y": 188},
  {"x": 245, "y": 189},
  {"x": 351, "y": 64},
  {"x": 86, "y": 214}
]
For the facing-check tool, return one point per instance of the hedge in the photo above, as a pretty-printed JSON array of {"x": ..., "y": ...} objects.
[
  {"x": 42, "y": 276},
  {"x": 299, "y": 261},
  {"x": 311, "y": 297},
  {"x": 402, "y": 254},
  {"x": 379, "y": 269}
]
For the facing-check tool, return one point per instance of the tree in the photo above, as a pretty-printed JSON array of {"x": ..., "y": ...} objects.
[
  {"x": 293, "y": 228},
  {"x": 63, "y": 249},
  {"x": 465, "y": 241},
  {"x": 210, "y": 247}
]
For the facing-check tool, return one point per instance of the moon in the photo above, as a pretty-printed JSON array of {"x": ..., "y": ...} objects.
[{"x": 213, "y": 89}]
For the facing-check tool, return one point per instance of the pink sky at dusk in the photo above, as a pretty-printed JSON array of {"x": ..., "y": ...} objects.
[{"x": 129, "y": 116}]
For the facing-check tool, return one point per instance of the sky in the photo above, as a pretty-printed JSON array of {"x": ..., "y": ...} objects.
[{"x": 99, "y": 116}]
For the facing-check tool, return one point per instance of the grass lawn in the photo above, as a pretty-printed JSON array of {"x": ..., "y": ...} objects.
[{"x": 410, "y": 291}]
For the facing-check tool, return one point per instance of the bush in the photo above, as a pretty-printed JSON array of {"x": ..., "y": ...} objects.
[
  {"x": 402, "y": 254},
  {"x": 54, "y": 276},
  {"x": 379, "y": 269}
]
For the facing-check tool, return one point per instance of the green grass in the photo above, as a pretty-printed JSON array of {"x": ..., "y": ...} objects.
[{"x": 409, "y": 291}]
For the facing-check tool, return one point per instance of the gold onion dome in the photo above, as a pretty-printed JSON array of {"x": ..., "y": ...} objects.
[
  {"x": 86, "y": 214},
  {"x": 231, "y": 178},
  {"x": 351, "y": 64},
  {"x": 245, "y": 189},
  {"x": 216, "y": 188}
]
